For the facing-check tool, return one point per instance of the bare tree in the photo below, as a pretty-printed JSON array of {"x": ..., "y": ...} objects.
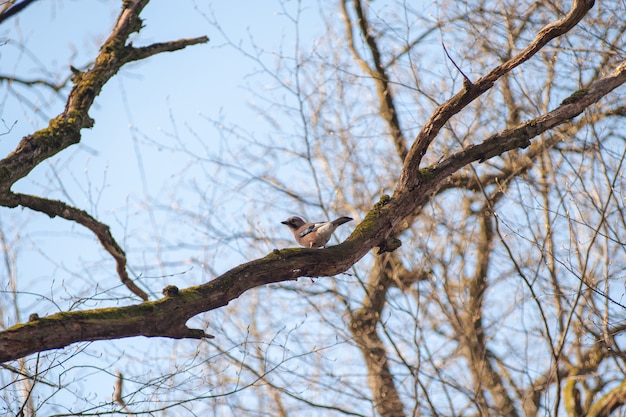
[{"x": 480, "y": 148}]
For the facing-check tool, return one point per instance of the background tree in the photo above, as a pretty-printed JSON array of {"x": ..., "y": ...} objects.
[{"x": 484, "y": 137}]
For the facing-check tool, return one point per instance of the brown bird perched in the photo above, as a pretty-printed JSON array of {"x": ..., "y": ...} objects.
[{"x": 313, "y": 235}]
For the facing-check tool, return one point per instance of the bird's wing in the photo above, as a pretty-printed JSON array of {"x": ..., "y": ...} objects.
[{"x": 310, "y": 228}]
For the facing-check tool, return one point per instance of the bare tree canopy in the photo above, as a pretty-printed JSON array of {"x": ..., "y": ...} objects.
[{"x": 479, "y": 146}]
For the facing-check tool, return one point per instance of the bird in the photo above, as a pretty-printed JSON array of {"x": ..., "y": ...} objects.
[{"x": 313, "y": 235}]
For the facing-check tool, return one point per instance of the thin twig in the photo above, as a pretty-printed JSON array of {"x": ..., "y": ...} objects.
[
  {"x": 55, "y": 208},
  {"x": 467, "y": 83}
]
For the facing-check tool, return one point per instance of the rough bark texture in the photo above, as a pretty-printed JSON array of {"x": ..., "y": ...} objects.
[
  {"x": 444, "y": 112},
  {"x": 64, "y": 130},
  {"x": 364, "y": 324},
  {"x": 167, "y": 317}
]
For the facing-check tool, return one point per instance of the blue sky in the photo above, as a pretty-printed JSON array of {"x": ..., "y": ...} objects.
[
  {"x": 158, "y": 200},
  {"x": 117, "y": 172},
  {"x": 145, "y": 103}
]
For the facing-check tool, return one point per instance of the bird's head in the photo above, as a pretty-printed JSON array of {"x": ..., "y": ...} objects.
[{"x": 293, "y": 222}]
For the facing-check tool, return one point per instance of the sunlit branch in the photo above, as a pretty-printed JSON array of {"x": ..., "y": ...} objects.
[
  {"x": 410, "y": 177},
  {"x": 54, "y": 208},
  {"x": 10, "y": 9},
  {"x": 64, "y": 130},
  {"x": 378, "y": 75}
]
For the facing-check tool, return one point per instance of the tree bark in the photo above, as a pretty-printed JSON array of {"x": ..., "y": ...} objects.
[{"x": 167, "y": 317}]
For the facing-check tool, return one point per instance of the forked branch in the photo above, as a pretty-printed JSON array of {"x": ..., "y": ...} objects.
[
  {"x": 167, "y": 317},
  {"x": 410, "y": 174},
  {"x": 64, "y": 130}
]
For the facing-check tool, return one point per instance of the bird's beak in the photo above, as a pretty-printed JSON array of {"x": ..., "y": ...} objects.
[{"x": 285, "y": 222}]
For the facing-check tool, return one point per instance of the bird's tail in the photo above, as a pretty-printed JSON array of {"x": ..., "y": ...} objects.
[{"x": 341, "y": 220}]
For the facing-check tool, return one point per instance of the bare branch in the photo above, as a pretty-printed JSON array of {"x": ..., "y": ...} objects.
[
  {"x": 378, "y": 74},
  {"x": 167, "y": 316},
  {"x": 118, "y": 393},
  {"x": 10, "y": 9},
  {"x": 64, "y": 130},
  {"x": 444, "y": 112},
  {"x": 519, "y": 136},
  {"x": 467, "y": 83},
  {"x": 157, "y": 48},
  {"x": 55, "y": 208},
  {"x": 33, "y": 82}
]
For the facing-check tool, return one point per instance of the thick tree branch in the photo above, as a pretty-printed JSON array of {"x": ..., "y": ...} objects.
[
  {"x": 55, "y": 208},
  {"x": 441, "y": 176},
  {"x": 520, "y": 165},
  {"x": 64, "y": 130},
  {"x": 520, "y": 136},
  {"x": 167, "y": 317},
  {"x": 410, "y": 177}
]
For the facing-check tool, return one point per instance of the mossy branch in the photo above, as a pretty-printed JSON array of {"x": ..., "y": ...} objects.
[
  {"x": 604, "y": 406},
  {"x": 64, "y": 130},
  {"x": 54, "y": 208}
]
